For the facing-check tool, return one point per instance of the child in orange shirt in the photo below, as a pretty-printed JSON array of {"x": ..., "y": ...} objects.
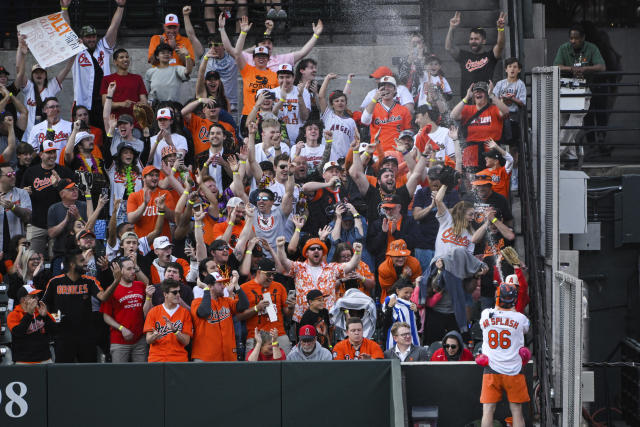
[{"x": 500, "y": 175}]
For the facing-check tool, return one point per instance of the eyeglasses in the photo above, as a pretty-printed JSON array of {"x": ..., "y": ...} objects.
[
  {"x": 215, "y": 44},
  {"x": 10, "y": 174},
  {"x": 264, "y": 198},
  {"x": 405, "y": 335},
  {"x": 176, "y": 292},
  {"x": 451, "y": 346},
  {"x": 315, "y": 248},
  {"x": 269, "y": 273},
  {"x": 54, "y": 107}
]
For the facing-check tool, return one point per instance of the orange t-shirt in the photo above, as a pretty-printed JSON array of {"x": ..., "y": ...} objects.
[
  {"x": 392, "y": 122},
  {"x": 387, "y": 274},
  {"x": 147, "y": 221},
  {"x": 252, "y": 81},
  {"x": 253, "y": 290},
  {"x": 220, "y": 227},
  {"x": 167, "y": 348},
  {"x": 199, "y": 129},
  {"x": 500, "y": 180},
  {"x": 362, "y": 269},
  {"x": 215, "y": 338},
  {"x": 344, "y": 350},
  {"x": 487, "y": 125},
  {"x": 180, "y": 42}
]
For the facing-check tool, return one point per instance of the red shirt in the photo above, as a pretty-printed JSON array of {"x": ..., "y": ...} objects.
[
  {"x": 262, "y": 358},
  {"x": 125, "y": 306},
  {"x": 487, "y": 125},
  {"x": 128, "y": 87}
]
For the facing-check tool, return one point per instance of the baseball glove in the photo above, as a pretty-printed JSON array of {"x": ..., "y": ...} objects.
[
  {"x": 510, "y": 255},
  {"x": 143, "y": 114}
]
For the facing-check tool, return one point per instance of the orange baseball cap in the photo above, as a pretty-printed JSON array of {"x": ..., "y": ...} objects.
[
  {"x": 148, "y": 169},
  {"x": 381, "y": 72}
]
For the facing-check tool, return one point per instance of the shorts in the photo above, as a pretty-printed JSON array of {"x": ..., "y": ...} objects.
[{"x": 494, "y": 384}]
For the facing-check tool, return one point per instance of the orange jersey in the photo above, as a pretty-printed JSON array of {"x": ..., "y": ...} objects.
[
  {"x": 345, "y": 351},
  {"x": 167, "y": 348},
  {"x": 199, "y": 129},
  {"x": 219, "y": 228},
  {"x": 155, "y": 275},
  {"x": 147, "y": 221},
  {"x": 387, "y": 275},
  {"x": 180, "y": 42},
  {"x": 500, "y": 180},
  {"x": 215, "y": 338},
  {"x": 363, "y": 269},
  {"x": 252, "y": 81},
  {"x": 392, "y": 122},
  {"x": 253, "y": 290}
]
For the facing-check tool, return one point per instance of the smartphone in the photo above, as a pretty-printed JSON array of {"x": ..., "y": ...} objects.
[
  {"x": 105, "y": 191},
  {"x": 291, "y": 294},
  {"x": 180, "y": 155}
]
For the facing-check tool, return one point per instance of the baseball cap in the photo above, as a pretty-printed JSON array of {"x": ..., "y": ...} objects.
[
  {"x": 24, "y": 291},
  {"x": 285, "y": 68},
  {"x": 512, "y": 279},
  {"x": 392, "y": 201},
  {"x": 234, "y": 202},
  {"x": 406, "y": 134},
  {"x": 37, "y": 67},
  {"x": 384, "y": 170},
  {"x": 161, "y": 242},
  {"x": 313, "y": 294},
  {"x": 168, "y": 150},
  {"x": 219, "y": 277},
  {"x": 129, "y": 235},
  {"x": 482, "y": 180},
  {"x": 125, "y": 144},
  {"x": 269, "y": 95},
  {"x": 171, "y": 19},
  {"x": 65, "y": 184},
  {"x": 88, "y": 30},
  {"x": 125, "y": 118},
  {"x": 483, "y": 86},
  {"x": 85, "y": 233},
  {"x": 213, "y": 74},
  {"x": 390, "y": 158},
  {"x": 307, "y": 333},
  {"x": 148, "y": 169},
  {"x": 164, "y": 113},
  {"x": 330, "y": 165},
  {"x": 83, "y": 135},
  {"x": 266, "y": 264},
  {"x": 381, "y": 72},
  {"x": 48, "y": 145},
  {"x": 398, "y": 248},
  {"x": 387, "y": 79},
  {"x": 3, "y": 70},
  {"x": 493, "y": 154},
  {"x": 261, "y": 50}
]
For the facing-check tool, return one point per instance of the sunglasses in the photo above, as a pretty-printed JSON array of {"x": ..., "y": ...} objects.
[
  {"x": 269, "y": 273},
  {"x": 315, "y": 248},
  {"x": 223, "y": 248},
  {"x": 282, "y": 167},
  {"x": 264, "y": 198},
  {"x": 215, "y": 44},
  {"x": 10, "y": 174},
  {"x": 176, "y": 292},
  {"x": 451, "y": 346}
]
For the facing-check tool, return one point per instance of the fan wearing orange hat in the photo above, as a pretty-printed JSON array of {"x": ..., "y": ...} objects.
[
  {"x": 483, "y": 197},
  {"x": 398, "y": 264}
]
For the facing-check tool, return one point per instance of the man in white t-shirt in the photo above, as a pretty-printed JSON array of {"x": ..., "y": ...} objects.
[
  {"x": 503, "y": 355},
  {"x": 403, "y": 95},
  {"x": 62, "y": 128},
  {"x": 271, "y": 144},
  {"x": 164, "y": 138},
  {"x": 278, "y": 185},
  {"x": 426, "y": 119},
  {"x": 295, "y": 105}
]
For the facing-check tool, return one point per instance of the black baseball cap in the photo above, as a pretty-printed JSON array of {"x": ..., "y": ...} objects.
[
  {"x": 313, "y": 294},
  {"x": 213, "y": 74},
  {"x": 493, "y": 154},
  {"x": 3, "y": 70},
  {"x": 267, "y": 265}
]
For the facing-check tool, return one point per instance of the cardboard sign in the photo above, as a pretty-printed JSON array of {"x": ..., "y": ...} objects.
[{"x": 50, "y": 39}]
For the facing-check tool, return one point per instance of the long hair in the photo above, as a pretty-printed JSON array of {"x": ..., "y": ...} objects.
[
  {"x": 341, "y": 247},
  {"x": 460, "y": 223},
  {"x": 219, "y": 94},
  {"x": 23, "y": 262}
]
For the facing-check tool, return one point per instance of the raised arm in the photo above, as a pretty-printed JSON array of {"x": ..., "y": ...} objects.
[
  {"x": 282, "y": 255},
  {"x": 201, "y": 90},
  {"x": 504, "y": 109},
  {"x": 23, "y": 114},
  {"x": 439, "y": 200},
  {"x": 106, "y": 109},
  {"x": 191, "y": 33},
  {"x": 68, "y": 151},
  {"x": 356, "y": 170},
  {"x": 448, "y": 41},
  {"x": 287, "y": 199},
  {"x": 355, "y": 259},
  {"x": 456, "y": 112},
  {"x": 67, "y": 67},
  {"x": 317, "y": 30},
  {"x": 499, "y": 47},
  {"x": 322, "y": 95},
  {"x": 11, "y": 136},
  {"x": 416, "y": 173},
  {"x": 111, "y": 35},
  {"x": 21, "y": 54}
]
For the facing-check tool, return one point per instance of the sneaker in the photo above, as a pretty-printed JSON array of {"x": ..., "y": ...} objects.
[
  {"x": 272, "y": 13},
  {"x": 282, "y": 14}
]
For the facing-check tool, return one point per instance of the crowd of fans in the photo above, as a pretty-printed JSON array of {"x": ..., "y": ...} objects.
[{"x": 261, "y": 222}]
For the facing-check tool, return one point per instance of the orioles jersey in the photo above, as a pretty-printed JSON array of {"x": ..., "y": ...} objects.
[
  {"x": 392, "y": 121},
  {"x": 344, "y": 350},
  {"x": 502, "y": 337},
  {"x": 167, "y": 348},
  {"x": 215, "y": 338}
]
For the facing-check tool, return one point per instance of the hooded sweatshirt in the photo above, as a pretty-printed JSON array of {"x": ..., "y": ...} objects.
[
  {"x": 30, "y": 335},
  {"x": 463, "y": 354},
  {"x": 319, "y": 353}
]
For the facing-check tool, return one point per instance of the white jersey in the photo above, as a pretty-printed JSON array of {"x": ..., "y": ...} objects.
[
  {"x": 444, "y": 141},
  {"x": 314, "y": 156},
  {"x": 289, "y": 113},
  {"x": 439, "y": 81},
  {"x": 84, "y": 74},
  {"x": 502, "y": 337},
  {"x": 279, "y": 190},
  {"x": 179, "y": 141},
  {"x": 343, "y": 128},
  {"x": 403, "y": 96},
  {"x": 39, "y": 132},
  {"x": 29, "y": 98}
]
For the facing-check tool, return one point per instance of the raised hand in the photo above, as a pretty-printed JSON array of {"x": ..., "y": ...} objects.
[
  {"x": 280, "y": 241},
  {"x": 111, "y": 89},
  {"x": 245, "y": 25},
  {"x": 268, "y": 25},
  {"x": 324, "y": 232},
  {"x": 221, "y": 21},
  {"x": 501, "y": 20},
  {"x": 318, "y": 27},
  {"x": 357, "y": 247},
  {"x": 331, "y": 76},
  {"x": 186, "y": 11},
  {"x": 455, "y": 21}
]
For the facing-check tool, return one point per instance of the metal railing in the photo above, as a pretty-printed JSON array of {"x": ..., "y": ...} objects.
[{"x": 365, "y": 20}]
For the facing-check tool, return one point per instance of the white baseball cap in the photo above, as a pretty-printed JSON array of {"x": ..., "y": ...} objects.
[
  {"x": 261, "y": 50},
  {"x": 512, "y": 279},
  {"x": 285, "y": 68},
  {"x": 161, "y": 242},
  {"x": 329, "y": 165},
  {"x": 387, "y": 79},
  {"x": 164, "y": 113},
  {"x": 234, "y": 202},
  {"x": 171, "y": 19},
  {"x": 82, "y": 135}
]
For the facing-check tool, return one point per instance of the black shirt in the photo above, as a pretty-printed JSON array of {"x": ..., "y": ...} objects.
[
  {"x": 73, "y": 299},
  {"x": 43, "y": 193},
  {"x": 496, "y": 201},
  {"x": 475, "y": 67},
  {"x": 373, "y": 199}
]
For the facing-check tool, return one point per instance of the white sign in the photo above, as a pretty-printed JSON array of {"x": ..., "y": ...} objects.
[{"x": 50, "y": 39}]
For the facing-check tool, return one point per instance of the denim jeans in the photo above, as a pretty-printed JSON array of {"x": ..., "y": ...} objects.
[{"x": 424, "y": 256}]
